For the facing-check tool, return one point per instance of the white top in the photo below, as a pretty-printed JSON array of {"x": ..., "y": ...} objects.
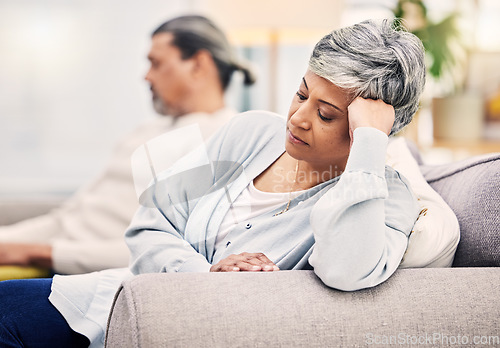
[{"x": 249, "y": 204}]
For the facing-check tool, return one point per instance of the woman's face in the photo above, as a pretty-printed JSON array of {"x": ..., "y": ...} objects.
[{"x": 318, "y": 127}]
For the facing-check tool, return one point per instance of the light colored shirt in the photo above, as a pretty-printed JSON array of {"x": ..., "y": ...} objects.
[
  {"x": 250, "y": 204},
  {"x": 86, "y": 233}
]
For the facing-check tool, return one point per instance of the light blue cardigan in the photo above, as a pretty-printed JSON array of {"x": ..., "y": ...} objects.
[{"x": 352, "y": 230}]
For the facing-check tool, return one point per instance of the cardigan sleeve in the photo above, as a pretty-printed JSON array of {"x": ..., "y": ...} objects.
[
  {"x": 156, "y": 236},
  {"x": 361, "y": 225},
  {"x": 157, "y": 244}
]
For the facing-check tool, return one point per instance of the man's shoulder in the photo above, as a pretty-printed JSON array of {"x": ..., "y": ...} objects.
[
  {"x": 255, "y": 127},
  {"x": 257, "y": 120},
  {"x": 247, "y": 134}
]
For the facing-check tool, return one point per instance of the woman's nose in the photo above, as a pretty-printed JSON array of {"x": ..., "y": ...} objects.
[{"x": 300, "y": 118}]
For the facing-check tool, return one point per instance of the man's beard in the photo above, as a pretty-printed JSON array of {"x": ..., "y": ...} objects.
[{"x": 159, "y": 105}]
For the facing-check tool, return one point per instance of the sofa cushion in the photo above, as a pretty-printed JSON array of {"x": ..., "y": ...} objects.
[{"x": 472, "y": 189}]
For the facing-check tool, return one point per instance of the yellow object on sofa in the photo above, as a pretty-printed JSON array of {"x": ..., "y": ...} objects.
[{"x": 18, "y": 272}]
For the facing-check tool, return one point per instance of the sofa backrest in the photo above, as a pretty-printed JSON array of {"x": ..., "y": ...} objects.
[{"x": 472, "y": 189}]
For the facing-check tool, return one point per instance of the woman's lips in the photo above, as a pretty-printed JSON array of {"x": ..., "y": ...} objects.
[{"x": 295, "y": 140}]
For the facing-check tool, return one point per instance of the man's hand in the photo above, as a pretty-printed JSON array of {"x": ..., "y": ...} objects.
[
  {"x": 19, "y": 254},
  {"x": 251, "y": 262},
  {"x": 370, "y": 113}
]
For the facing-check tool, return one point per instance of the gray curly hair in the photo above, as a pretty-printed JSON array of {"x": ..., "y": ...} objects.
[{"x": 377, "y": 61}]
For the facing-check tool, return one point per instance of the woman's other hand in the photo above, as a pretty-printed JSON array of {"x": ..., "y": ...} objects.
[
  {"x": 370, "y": 113},
  {"x": 250, "y": 262},
  {"x": 18, "y": 254}
]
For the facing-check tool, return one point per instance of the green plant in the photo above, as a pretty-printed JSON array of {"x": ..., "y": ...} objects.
[{"x": 438, "y": 38}]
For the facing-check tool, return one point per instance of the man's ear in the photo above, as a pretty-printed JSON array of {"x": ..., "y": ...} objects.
[{"x": 203, "y": 62}]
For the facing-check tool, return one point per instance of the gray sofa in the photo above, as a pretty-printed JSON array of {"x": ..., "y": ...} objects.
[{"x": 456, "y": 306}]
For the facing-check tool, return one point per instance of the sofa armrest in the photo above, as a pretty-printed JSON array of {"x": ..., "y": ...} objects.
[{"x": 293, "y": 308}]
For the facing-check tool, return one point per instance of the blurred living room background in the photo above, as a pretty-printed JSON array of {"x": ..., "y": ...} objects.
[{"x": 71, "y": 74}]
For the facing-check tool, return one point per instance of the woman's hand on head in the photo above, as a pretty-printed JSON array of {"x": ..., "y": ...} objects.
[
  {"x": 370, "y": 113},
  {"x": 249, "y": 262}
]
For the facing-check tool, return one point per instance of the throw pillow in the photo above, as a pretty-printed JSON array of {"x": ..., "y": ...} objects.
[{"x": 435, "y": 235}]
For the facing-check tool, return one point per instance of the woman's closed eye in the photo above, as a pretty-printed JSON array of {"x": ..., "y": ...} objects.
[
  {"x": 303, "y": 97},
  {"x": 300, "y": 95},
  {"x": 326, "y": 119}
]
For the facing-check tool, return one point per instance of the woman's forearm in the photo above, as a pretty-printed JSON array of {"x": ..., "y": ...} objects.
[{"x": 361, "y": 225}]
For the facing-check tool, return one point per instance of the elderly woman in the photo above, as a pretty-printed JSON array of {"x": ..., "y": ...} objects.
[{"x": 269, "y": 193}]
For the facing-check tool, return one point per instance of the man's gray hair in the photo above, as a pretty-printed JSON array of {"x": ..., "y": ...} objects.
[
  {"x": 193, "y": 33},
  {"x": 377, "y": 61}
]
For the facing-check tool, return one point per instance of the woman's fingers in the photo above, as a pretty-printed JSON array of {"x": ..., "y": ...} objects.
[
  {"x": 260, "y": 261},
  {"x": 267, "y": 265},
  {"x": 370, "y": 113},
  {"x": 247, "y": 262}
]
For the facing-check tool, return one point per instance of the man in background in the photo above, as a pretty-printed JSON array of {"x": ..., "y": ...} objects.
[{"x": 191, "y": 67}]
